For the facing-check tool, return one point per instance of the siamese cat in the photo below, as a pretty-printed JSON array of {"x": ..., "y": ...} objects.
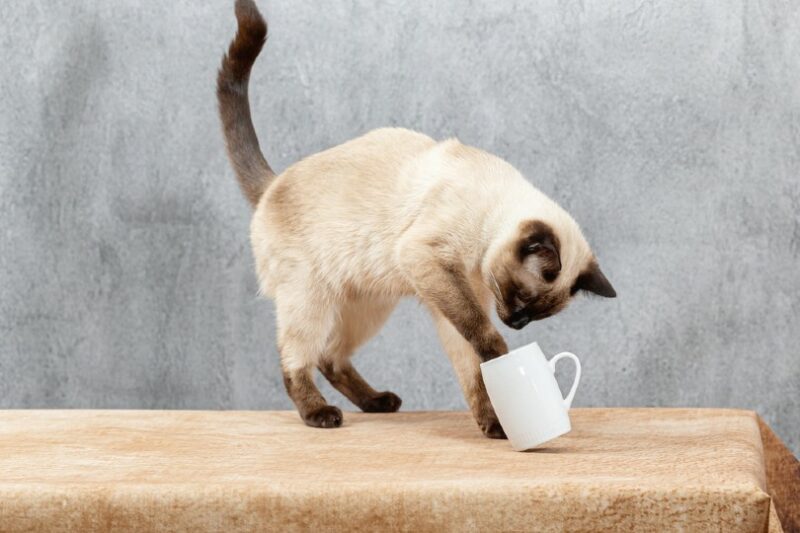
[{"x": 339, "y": 237}]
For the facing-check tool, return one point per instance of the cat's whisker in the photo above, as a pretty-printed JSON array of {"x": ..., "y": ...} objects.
[{"x": 498, "y": 294}]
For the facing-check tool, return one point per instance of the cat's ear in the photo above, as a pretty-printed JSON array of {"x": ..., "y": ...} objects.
[{"x": 593, "y": 280}]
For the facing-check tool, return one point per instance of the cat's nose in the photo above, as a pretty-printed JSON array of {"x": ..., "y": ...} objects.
[{"x": 519, "y": 320}]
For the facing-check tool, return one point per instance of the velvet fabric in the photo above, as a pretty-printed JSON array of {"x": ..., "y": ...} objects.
[{"x": 619, "y": 469}]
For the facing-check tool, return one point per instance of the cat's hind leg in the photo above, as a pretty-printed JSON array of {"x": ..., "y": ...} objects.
[
  {"x": 359, "y": 319},
  {"x": 304, "y": 328},
  {"x": 346, "y": 379}
]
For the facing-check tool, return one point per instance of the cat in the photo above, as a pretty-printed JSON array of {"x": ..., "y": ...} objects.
[{"x": 340, "y": 236}]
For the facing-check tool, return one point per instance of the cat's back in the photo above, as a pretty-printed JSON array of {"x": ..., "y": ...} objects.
[
  {"x": 360, "y": 178},
  {"x": 376, "y": 147},
  {"x": 363, "y": 161},
  {"x": 339, "y": 211}
]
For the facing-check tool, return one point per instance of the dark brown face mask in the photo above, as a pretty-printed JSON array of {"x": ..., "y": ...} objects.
[{"x": 525, "y": 303}]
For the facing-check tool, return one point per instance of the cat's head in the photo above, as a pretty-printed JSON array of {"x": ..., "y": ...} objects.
[{"x": 539, "y": 268}]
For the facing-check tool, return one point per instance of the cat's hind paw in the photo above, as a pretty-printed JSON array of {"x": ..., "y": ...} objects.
[
  {"x": 325, "y": 417},
  {"x": 384, "y": 402}
]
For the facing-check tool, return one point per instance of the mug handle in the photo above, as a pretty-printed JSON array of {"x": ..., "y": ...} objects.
[{"x": 554, "y": 360}]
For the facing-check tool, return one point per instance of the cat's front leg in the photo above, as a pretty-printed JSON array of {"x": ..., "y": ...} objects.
[
  {"x": 444, "y": 286},
  {"x": 489, "y": 344},
  {"x": 466, "y": 363},
  {"x": 467, "y": 334}
]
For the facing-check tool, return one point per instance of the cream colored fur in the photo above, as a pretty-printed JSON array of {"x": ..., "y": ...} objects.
[
  {"x": 335, "y": 234},
  {"x": 341, "y": 236}
]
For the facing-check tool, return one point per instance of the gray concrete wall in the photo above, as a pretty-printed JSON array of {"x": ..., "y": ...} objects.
[{"x": 670, "y": 131}]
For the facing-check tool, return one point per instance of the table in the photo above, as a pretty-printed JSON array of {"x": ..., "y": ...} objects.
[{"x": 619, "y": 469}]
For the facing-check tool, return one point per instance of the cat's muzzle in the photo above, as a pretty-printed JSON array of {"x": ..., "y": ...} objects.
[{"x": 519, "y": 319}]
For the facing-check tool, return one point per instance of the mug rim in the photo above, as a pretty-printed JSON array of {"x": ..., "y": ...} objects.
[{"x": 509, "y": 354}]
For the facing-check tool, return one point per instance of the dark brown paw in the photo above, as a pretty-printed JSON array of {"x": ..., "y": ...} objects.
[
  {"x": 494, "y": 430},
  {"x": 385, "y": 402},
  {"x": 490, "y": 345},
  {"x": 325, "y": 417}
]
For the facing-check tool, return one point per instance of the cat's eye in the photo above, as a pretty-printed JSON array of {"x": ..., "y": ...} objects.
[
  {"x": 539, "y": 248},
  {"x": 533, "y": 248}
]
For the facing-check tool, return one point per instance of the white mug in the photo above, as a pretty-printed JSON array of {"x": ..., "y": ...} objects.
[{"x": 525, "y": 395}]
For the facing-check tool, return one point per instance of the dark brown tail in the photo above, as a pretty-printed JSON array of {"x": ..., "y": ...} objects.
[{"x": 252, "y": 170}]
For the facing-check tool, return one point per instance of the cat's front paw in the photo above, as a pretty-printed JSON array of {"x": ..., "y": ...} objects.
[
  {"x": 490, "y": 345},
  {"x": 493, "y": 430},
  {"x": 384, "y": 402},
  {"x": 324, "y": 417}
]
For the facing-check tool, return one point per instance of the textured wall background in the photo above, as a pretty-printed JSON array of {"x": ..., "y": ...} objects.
[{"x": 671, "y": 132}]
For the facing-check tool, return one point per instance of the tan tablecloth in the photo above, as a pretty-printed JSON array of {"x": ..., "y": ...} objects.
[{"x": 620, "y": 469}]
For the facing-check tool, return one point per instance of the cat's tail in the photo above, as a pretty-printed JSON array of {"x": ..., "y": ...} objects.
[{"x": 252, "y": 170}]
